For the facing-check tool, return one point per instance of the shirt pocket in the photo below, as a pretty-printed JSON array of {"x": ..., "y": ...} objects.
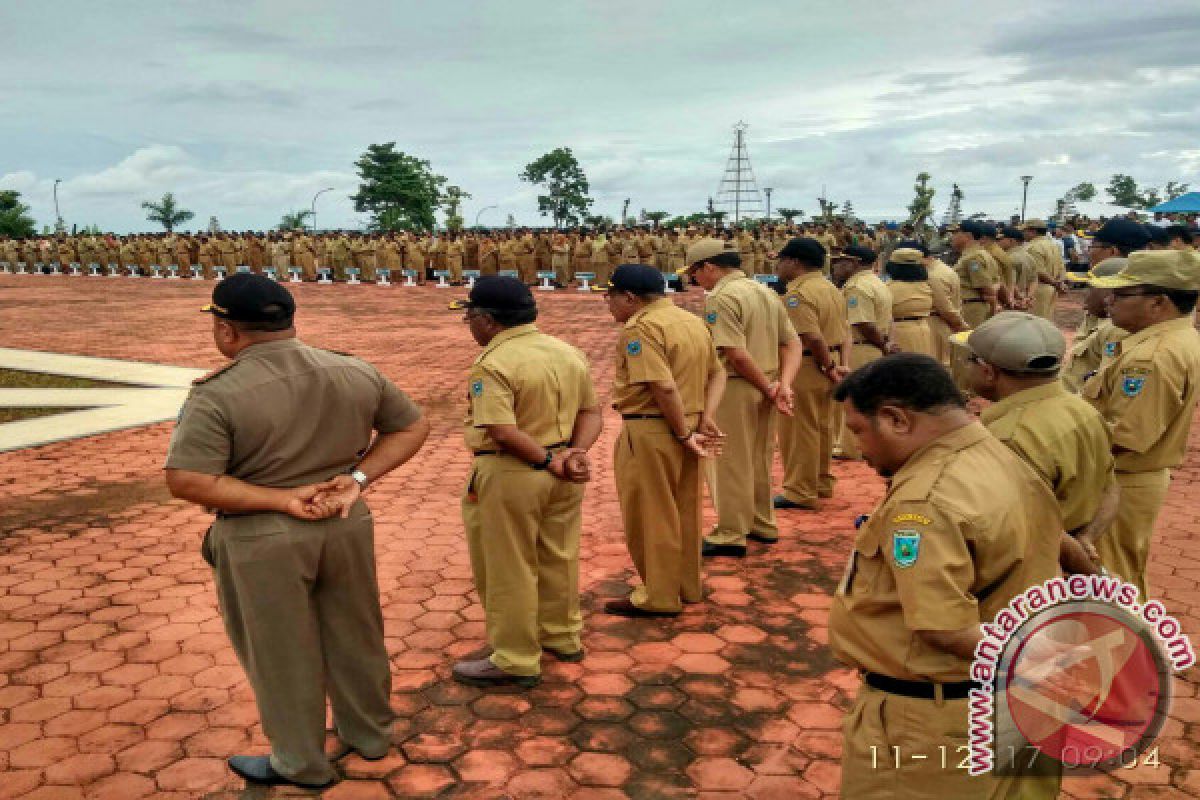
[{"x": 865, "y": 564}]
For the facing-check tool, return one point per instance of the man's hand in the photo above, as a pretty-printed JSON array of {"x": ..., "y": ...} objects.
[
  {"x": 837, "y": 373},
  {"x": 891, "y": 348},
  {"x": 707, "y": 428},
  {"x": 572, "y": 466},
  {"x": 784, "y": 399},
  {"x": 307, "y": 503},
  {"x": 339, "y": 493}
]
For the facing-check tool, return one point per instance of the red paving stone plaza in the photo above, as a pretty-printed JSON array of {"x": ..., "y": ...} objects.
[{"x": 117, "y": 681}]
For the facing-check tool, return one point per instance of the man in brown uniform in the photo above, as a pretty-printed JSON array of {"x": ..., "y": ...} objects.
[
  {"x": 1147, "y": 393},
  {"x": 667, "y": 388},
  {"x": 977, "y": 273},
  {"x": 817, "y": 312},
  {"x": 869, "y": 313},
  {"x": 1097, "y": 338},
  {"x": 272, "y": 441},
  {"x": 965, "y": 526},
  {"x": 532, "y": 415},
  {"x": 1048, "y": 262},
  {"x": 761, "y": 354}
]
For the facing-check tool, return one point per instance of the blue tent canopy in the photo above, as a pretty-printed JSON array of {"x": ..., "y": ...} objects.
[{"x": 1184, "y": 204}]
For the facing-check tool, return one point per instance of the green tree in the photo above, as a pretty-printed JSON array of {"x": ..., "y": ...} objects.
[
  {"x": 1174, "y": 189},
  {"x": 166, "y": 212},
  {"x": 920, "y": 210},
  {"x": 14, "y": 216},
  {"x": 294, "y": 220},
  {"x": 452, "y": 203},
  {"x": 597, "y": 220},
  {"x": 789, "y": 214},
  {"x": 1083, "y": 192},
  {"x": 655, "y": 218},
  {"x": 399, "y": 191},
  {"x": 1123, "y": 190},
  {"x": 566, "y": 200}
]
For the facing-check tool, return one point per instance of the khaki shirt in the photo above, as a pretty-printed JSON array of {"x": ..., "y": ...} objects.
[
  {"x": 528, "y": 379},
  {"x": 944, "y": 280},
  {"x": 743, "y": 313},
  {"x": 662, "y": 342},
  {"x": 1147, "y": 394},
  {"x": 964, "y": 527},
  {"x": 815, "y": 306},
  {"x": 1064, "y": 439},
  {"x": 1046, "y": 258},
  {"x": 284, "y": 414},
  {"x": 1091, "y": 348},
  {"x": 868, "y": 299},
  {"x": 911, "y": 299},
  {"x": 1024, "y": 270},
  {"x": 1007, "y": 273},
  {"x": 976, "y": 270}
]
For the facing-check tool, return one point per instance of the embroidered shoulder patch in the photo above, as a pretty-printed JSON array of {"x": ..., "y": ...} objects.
[
  {"x": 477, "y": 388},
  {"x": 634, "y": 348},
  {"x": 1132, "y": 387},
  {"x": 919, "y": 519},
  {"x": 711, "y": 317},
  {"x": 974, "y": 266},
  {"x": 852, "y": 302},
  {"x": 793, "y": 302},
  {"x": 906, "y": 546},
  {"x": 1110, "y": 349}
]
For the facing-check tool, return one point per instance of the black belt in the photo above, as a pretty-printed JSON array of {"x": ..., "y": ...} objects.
[
  {"x": 974, "y": 300},
  {"x": 642, "y": 416},
  {"x": 919, "y": 689},
  {"x": 909, "y": 319},
  {"x": 503, "y": 452}
]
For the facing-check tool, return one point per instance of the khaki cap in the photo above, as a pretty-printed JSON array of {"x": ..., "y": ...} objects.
[
  {"x": 1169, "y": 269},
  {"x": 907, "y": 255},
  {"x": 1017, "y": 342},
  {"x": 1109, "y": 266},
  {"x": 702, "y": 251},
  {"x": 1035, "y": 224}
]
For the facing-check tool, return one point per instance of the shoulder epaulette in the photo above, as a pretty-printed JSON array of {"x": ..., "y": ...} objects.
[{"x": 218, "y": 371}]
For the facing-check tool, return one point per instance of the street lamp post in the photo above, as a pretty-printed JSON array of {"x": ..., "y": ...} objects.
[
  {"x": 767, "y": 191},
  {"x": 479, "y": 213},
  {"x": 313, "y": 207},
  {"x": 58, "y": 220},
  {"x": 1025, "y": 179}
]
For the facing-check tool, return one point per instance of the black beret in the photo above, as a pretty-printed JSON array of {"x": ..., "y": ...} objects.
[
  {"x": 1123, "y": 233},
  {"x": 1158, "y": 235},
  {"x": 864, "y": 254},
  {"x": 913, "y": 244},
  {"x": 246, "y": 297},
  {"x": 501, "y": 293},
  {"x": 987, "y": 229},
  {"x": 1012, "y": 232},
  {"x": 805, "y": 250},
  {"x": 639, "y": 279},
  {"x": 976, "y": 228}
]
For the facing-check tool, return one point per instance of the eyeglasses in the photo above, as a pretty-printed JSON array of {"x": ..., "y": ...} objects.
[{"x": 1138, "y": 293}]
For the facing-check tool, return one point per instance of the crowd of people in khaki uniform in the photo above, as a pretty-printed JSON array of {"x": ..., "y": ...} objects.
[{"x": 867, "y": 346}]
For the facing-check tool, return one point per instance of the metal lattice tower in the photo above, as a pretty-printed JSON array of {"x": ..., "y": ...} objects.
[{"x": 738, "y": 193}]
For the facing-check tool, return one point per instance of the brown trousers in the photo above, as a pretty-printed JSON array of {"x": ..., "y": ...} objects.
[
  {"x": 300, "y": 601},
  {"x": 658, "y": 486},
  {"x": 806, "y": 438},
  {"x": 740, "y": 483},
  {"x": 1125, "y": 549},
  {"x": 861, "y": 354}
]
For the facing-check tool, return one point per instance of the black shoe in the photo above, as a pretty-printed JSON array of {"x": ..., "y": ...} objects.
[
  {"x": 758, "y": 537},
  {"x": 570, "y": 658},
  {"x": 344, "y": 750},
  {"x": 624, "y": 608},
  {"x": 779, "y": 501},
  {"x": 736, "y": 550},
  {"x": 258, "y": 769}
]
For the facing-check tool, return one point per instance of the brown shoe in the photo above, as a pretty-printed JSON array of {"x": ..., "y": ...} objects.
[
  {"x": 484, "y": 673},
  {"x": 558, "y": 655},
  {"x": 624, "y": 608}
]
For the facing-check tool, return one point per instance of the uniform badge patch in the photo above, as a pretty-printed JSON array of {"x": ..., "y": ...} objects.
[
  {"x": 477, "y": 388},
  {"x": 1110, "y": 349},
  {"x": 906, "y": 545},
  {"x": 1132, "y": 387},
  {"x": 634, "y": 348},
  {"x": 973, "y": 266},
  {"x": 793, "y": 302},
  {"x": 710, "y": 317},
  {"x": 852, "y": 302}
]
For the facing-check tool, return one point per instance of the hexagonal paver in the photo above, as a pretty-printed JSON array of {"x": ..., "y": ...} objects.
[
  {"x": 600, "y": 769},
  {"x": 719, "y": 774}
]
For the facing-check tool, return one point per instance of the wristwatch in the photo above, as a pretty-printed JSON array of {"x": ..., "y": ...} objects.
[
  {"x": 360, "y": 478},
  {"x": 544, "y": 464}
]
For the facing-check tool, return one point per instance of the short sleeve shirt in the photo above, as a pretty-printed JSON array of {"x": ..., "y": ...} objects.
[
  {"x": 662, "y": 342},
  {"x": 526, "y": 378},
  {"x": 964, "y": 527},
  {"x": 743, "y": 313},
  {"x": 285, "y": 414},
  {"x": 1147, "y": 394},
  {"x": 868, "y": 299},
  {"x": 815, "y": 306},
  {"x": 976, "y": 270}
]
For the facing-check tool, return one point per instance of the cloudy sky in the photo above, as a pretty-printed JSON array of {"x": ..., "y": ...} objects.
[{"x": 246, "y": 109}]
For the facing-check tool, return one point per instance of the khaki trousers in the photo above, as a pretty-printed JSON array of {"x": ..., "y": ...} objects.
[
  {"x": 861, "y": 354},
  {"x": 939, "y": 339},
  {"x": 975, "y": 313},
  {"x": 879, "y": 721},
  {"x": 1043, "y": 300},
  {"x": 1125, "y": 549},
  {"x": 740, "y": 482},
  {"x": 603, "y": 270},
  {"x": 523, "y": 527},
  {"x": 658, "y": 486},
  {"x": 455, "y": 267},
  {"x": 300, "y": 601},
  {"x": 806, "y": 438}
]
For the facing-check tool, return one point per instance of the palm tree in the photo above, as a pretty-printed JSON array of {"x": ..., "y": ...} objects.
[
  {"x": 166, "y": 213},
  {"x": 294, "y": 220}
]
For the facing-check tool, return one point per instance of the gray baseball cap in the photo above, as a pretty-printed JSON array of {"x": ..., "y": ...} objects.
[{"x": 1017, "y": 342}]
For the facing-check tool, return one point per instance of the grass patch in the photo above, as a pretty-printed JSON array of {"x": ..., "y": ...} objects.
[{"x": 20, "y": 379}]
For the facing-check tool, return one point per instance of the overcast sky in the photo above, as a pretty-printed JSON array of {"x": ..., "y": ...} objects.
[{"x": 245, "y": 109}]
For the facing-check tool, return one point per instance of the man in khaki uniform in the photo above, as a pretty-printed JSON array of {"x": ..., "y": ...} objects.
[
  {"x": 817, "y": 311},
  {"x": 456, "y": 252},
  {"x": 760, "y": 353},
  {"x": 1147, "y": 393},
  {"x": 868, "y": 303},
  {"x": 226, "y": 255},
  {"x": 1098, "y": 340},
  {"x": 977, "y": 271},
  {"x": 964, "y": 527},
  {"x": 1048, "y": 262},
  {"x": 1024, "y": 276},
  {"x": 667, "y": 388},
  {"x": 272, "y": 441},
  {"x": 532, "y": 415}
]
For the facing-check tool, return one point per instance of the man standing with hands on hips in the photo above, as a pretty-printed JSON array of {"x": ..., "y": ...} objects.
[
  {"x": 274, "y": 442},
  {"x": 667, "y": 388}
]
